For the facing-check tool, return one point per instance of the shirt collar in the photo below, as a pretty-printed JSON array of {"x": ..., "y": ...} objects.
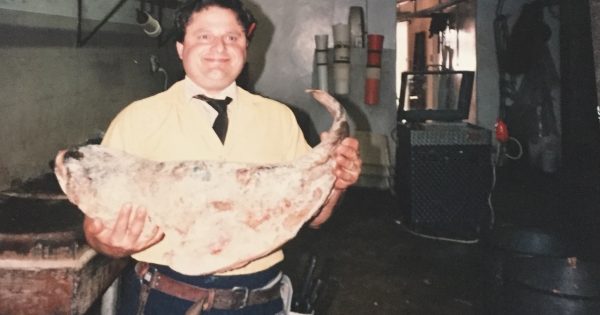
[{"x": 191, "y": 89}]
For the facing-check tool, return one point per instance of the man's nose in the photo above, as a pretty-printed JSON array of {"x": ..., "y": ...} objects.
[{"x": 219, "y": 44}]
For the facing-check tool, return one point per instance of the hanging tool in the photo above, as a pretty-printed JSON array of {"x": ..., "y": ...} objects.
[
  {"x": 313, "y": 285},
  {"x": 303, "y": 300}
]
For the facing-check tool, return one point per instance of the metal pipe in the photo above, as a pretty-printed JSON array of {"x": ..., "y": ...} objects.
[
  {"x": 81, "y": 42},
  {"x": 79, "y": 14}
]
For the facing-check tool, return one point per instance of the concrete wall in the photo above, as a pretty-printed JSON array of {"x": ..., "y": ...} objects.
[
  {"x": 55, "y": 95},
  {"x": 281, "y": 54}
]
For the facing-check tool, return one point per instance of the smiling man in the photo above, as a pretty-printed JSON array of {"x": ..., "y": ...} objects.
[
  {"x": 213, "y": 50},
  {"x": 206, "y": 116}
]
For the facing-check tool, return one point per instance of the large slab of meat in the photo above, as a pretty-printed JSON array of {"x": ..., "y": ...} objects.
[{"x": 218, "y": 215}]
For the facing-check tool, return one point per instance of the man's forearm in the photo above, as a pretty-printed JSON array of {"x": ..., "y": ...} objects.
[{"x": 327, "y": 209}]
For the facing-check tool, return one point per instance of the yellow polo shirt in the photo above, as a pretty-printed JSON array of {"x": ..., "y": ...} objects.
[{"x": 172, "y": 126}]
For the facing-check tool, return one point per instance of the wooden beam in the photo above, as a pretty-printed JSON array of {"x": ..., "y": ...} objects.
[{"x": 402, "y": 16}]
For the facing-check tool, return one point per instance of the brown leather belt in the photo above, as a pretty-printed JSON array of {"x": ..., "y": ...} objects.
[{"x": 224, "y": 299}]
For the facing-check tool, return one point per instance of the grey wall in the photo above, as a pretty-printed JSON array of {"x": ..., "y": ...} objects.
[
  {"x": 285, "y": 38},
  {"x": 55, "y": 95}
]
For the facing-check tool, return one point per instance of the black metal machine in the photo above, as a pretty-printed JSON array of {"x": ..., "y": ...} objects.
[{"x": 443, "y": 165}]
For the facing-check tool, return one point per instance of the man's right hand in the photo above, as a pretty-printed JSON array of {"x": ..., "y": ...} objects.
[{"x": 125, "y": 237}]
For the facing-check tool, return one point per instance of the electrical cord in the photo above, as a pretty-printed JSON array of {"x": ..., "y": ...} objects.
[
  {"x": 437, "y": 238},
  {"x": 520, "y": 154},
  {"x": 155, "y": 67},
  {"x": 166, "y": 79}
]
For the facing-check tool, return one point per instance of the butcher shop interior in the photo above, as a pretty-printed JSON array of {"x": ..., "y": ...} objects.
[{"x": 478, "y": 123}]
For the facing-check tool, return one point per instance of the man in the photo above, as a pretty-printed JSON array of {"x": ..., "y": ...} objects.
[{"x": 177, "y": 125}]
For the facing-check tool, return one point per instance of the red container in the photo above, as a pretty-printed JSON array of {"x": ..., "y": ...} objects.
[
  {"x": 373, "y": 73},
  {"x": 371, "y": 91},
  {"x": 374, "y": 46}
]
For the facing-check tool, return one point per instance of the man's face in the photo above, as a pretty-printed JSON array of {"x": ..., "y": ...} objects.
[{"x": 213, "y": 49}]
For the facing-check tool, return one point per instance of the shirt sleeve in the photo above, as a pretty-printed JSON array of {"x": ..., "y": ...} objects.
[{"x": 112, "y": 136}]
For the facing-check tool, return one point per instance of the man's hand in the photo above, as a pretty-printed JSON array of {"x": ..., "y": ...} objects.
[
  {"x": 347, "y": 169},
  {"x": 125, "y": 237},
  {"x": 348, "y": 163}
]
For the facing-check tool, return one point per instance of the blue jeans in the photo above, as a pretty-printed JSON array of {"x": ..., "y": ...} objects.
[{"x": 162, "y": 304}]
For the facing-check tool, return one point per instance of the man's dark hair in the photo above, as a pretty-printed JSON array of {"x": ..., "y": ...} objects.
[{"x": 185, "y": 11}]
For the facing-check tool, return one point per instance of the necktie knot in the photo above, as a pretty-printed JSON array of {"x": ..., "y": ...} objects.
[
  {"x": 221, "y": 122},
  {"x": 219, "y": 105}
]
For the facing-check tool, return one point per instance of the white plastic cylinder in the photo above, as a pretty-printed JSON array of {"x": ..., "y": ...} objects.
[
  {"x": 321, "y": 61},
  {"x": 341, "y": 34},
  {"x": 341, "y": 60},
  {"x": 341, "y": 75}
]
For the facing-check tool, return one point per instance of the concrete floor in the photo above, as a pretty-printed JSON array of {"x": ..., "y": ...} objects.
[{"x": 372, "y": 265}]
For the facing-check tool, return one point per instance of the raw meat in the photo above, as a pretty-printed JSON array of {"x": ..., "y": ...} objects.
[{"x": 219, "y": 215}]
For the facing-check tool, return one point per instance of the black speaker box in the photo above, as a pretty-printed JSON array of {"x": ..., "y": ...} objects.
[{"x": 444, "y": 178}]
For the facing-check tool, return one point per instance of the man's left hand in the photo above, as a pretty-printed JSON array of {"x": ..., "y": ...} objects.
[
  {"x": 348, "y": 163},
  {"x": 347, "y": 169}
]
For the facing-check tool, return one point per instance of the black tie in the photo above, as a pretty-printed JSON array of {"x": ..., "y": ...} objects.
[{"x": 221, "y": 123}]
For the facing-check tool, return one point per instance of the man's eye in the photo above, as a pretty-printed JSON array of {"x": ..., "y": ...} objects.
[
  {"x": 204, "y": 37},
  {"x": 231, "y": 38}
]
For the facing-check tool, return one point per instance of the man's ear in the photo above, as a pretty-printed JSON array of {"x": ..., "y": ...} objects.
[
  {"x": 250, "y": 31},
  {"x": 179, "y": 47}
]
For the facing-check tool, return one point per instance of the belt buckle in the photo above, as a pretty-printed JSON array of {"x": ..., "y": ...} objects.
[
  {"x": 147, "y": 277},
  {"x": 244, "y": 301}
]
